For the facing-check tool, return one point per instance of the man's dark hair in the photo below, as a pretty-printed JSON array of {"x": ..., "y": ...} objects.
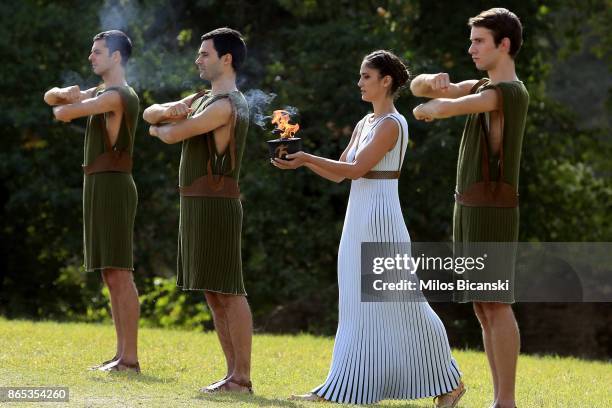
[
  {"x": 228, "y": 41},
  {"x": 116, "y": 41},
  {"x": 504, "y": 24}
]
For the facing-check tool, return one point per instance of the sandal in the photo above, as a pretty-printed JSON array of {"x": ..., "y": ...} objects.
[
  {"x": 311, "y": 396},
  {"x": 222, "y": 386},
  {"x": 214, "y": 385},
  {"x": 119, "y": 366},
  {"x": 99, "y": 366},
  {"x": 450, "y": 399}
]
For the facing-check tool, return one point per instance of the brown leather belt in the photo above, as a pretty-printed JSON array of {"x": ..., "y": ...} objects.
[
  {"x": 226, "y": 187},
  {"x": 381, "y": 175},
  {"x": 500, "y": 195},
  {"x": 113, "y": 161}
]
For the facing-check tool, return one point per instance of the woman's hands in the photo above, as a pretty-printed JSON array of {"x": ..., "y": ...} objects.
[{"x": 299, "y": 159}]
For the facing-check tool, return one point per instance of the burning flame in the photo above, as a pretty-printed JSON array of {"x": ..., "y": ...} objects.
[{"x": 281, "y": 119}]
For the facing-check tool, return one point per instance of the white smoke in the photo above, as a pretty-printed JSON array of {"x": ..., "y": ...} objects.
[{"x": 259, "y": 101}]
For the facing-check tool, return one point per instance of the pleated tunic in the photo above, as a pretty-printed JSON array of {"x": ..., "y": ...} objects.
[
  {"x": 382, "y": 350},
  {"x": 210, "y": 228},
  {"x": 474, "y": 224},
  {"x": 110, "y": 198}
]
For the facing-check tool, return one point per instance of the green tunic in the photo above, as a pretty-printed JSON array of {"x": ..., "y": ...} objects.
[
  {"x": 473, "y": 224},
  {"x": 209, "y": 242},
  {"x": 110, "y": 198}
]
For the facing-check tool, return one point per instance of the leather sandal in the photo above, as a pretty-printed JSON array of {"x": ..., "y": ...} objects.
[
  {"x": 450, "y": 399},
  {"x": 311, "y": 396},
  {"x": 213, "y": 385},
  {"x": 222, "y": 387},
  {"x": 117, "y": 366},
  {"x": 98, "y": 366}
]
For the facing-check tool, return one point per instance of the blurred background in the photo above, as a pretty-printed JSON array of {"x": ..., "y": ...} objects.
[{"x": 303, "y": 54}]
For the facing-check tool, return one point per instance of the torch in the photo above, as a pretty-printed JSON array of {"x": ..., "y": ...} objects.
[{"x": 286, "y": 143}]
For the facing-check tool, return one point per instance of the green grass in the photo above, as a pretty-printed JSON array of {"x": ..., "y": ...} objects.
[{"x": 177, "y": 363}]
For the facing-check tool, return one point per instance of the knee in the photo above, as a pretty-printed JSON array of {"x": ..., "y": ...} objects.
[
  {"x": 214, "y": 302},
  {"x": 116, "y": 279},
  {"x": 492, "y": 311}
]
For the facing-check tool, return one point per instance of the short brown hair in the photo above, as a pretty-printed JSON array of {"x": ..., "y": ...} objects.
[
  {"x": 116, "y": 41},
  {"x": 504, "y": 24}
]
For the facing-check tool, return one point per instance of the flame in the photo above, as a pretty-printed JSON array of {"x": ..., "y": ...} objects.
[{"x": 281, "y": 119}]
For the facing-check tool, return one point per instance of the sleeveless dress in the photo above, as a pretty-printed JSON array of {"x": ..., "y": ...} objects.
[
  {"x": 474, "y": 224},
  {"x": 209, "y": 242},
  {"x": 383, "y": 350},
  {"x": 110, "y": 198}
]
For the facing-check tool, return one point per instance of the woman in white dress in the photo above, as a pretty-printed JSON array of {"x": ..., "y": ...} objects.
[{"x": 383, "y": 350}]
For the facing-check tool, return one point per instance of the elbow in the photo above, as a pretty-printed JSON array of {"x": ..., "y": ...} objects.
[
  {"x": 61, "y": 114},
  {"x": 168, "y": 135},
  {"x": 415, "y": 89},
  {"x": 355, "y": 173},
  {"x": 147, "y": 116}
]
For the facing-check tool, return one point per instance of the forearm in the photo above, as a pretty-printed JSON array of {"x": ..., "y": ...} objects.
[
  {"x": 334, "y": 168},
  {"x": 165, "y": 133},
  {"x": 155, "y": 114},
  {"x": 419, "y": 86},
  {"x": 53, "y": 97},
  {"x": 323, "y": 173},
  {"x": 65, "y": 112},
  {"x": 441, "y": 108}
]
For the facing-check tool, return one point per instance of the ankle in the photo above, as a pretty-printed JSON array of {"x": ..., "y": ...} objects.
[{"x": 240, "y": 378}]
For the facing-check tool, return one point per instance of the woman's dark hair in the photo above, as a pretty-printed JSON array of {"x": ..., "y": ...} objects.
[
  {"x": 116, "y": 41},
  {"x": 228, "y": 41},
  {"x": 387, "y": 63}
]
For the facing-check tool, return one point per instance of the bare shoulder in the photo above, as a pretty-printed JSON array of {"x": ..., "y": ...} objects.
[
  {"x": 387, "y": 128},
  {"x": 220, "y": 110},
  {"x": 110, "y": 99}
]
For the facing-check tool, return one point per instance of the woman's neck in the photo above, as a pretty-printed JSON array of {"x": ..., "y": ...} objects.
[{"x": 383, "y": 106}]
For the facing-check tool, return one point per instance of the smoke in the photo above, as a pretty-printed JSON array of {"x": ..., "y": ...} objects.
[
  {"x": 292, "y": 110},
  {"x": 115, "y": 16},
  {"x": 70, "y": 78},
  {"x": 259, "y": 101}
]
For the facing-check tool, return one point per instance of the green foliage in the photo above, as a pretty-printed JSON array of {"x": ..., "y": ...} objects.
[
  {"x": 308, "y": 54},
  {"x": 165, "y": 305}
]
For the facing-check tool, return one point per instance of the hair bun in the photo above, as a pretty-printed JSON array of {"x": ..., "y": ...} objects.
[{"x": 387, "y": 63}]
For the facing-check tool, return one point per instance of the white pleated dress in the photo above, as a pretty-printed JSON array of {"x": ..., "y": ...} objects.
[{"x": 383, "y": 350}]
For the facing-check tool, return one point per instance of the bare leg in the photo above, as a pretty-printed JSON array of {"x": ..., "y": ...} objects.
[
  {"x": 504, "y": 338},
  {"x": 122, "y": 287},
  {"x": 222, "y": 328},
  {"x": 116, "y": 320},
  {"x": 488, "y": 346},
  {"x": 240, "y": 325}
]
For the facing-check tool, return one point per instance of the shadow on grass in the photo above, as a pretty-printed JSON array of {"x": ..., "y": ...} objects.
[
  {"x": 253, "y": 399},
  {"x": 386, "y": 404},
  {"x": 141, "y": 378},
  {"x": 278, "y": 402}
]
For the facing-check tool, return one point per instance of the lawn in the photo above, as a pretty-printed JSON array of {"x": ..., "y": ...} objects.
[{"x": 177, "y": 363}]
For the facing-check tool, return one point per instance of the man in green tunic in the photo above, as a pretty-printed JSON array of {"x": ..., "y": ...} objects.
[
  {"x": 212, "y": 127},
  {"x": 496, "y": 38},
  {"x": 109, "y": 192}
]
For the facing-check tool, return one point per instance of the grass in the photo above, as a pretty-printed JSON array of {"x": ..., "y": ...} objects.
[{"x": 177, "y": 363}]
